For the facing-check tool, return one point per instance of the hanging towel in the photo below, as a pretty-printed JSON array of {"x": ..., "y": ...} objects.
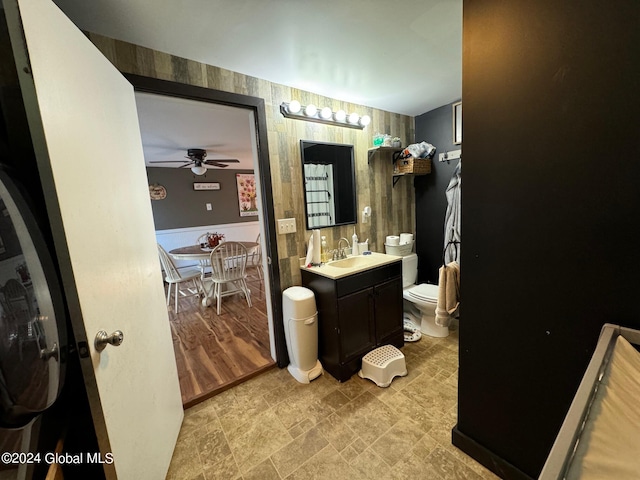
[
  {"x": 452, "y": 219},
  {"x": 448, "y": 293}
]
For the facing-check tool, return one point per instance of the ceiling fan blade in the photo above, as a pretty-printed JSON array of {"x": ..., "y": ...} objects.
[
  {"x": 170, "y": 161},
  {"x": 212, "y": 161},
  {"x": 197, "y": 157}
]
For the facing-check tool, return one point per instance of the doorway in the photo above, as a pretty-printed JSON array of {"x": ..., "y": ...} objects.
[{"x": 257, "y": 125}]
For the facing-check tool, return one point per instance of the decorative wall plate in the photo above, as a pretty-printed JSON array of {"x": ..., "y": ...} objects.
[{"x": 157, "y": 192}]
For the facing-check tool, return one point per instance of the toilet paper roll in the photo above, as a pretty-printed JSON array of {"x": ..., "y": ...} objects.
[
  {"x": 392, "y": 240},
  {"x": 406, "y": 238}
]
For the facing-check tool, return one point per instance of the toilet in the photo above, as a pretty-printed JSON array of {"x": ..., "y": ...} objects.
[{"x": 420, "y": 301}]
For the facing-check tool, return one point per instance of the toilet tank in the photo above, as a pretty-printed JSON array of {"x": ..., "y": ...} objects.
[{"x": 409, "y": 269}]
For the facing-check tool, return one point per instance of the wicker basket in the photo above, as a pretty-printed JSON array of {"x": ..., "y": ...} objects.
[
  {"x": 417, "y": 166},
  {"x": 400, "y": 250}
]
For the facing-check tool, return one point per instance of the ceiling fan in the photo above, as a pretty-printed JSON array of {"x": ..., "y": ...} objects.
[{"x": 197, "y": 161}]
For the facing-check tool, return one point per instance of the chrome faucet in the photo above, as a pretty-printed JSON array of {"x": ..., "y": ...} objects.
[{"x": 341, "y": 253}]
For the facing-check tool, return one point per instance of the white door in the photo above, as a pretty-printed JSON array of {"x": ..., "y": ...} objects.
[{"x": 84, "y": 124}]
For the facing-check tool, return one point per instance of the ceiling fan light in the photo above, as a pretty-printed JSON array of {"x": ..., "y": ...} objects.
[{"x": 199, "y": 169}]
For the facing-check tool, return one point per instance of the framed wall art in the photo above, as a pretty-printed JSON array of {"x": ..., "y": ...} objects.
[
  {"x": 157, "y": 192},
  {"x": 206, "y": 186},
  {"x": 247, "y": 200}
]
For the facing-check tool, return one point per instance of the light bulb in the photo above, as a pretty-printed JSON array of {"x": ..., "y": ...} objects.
[
  {"x": 294, "y": 106},
  {"x": 340, "y": 115},
  {"x": 310, "y": 110},
  {"x": 365, "y": 120},
  {"x": 199, "y": 169},
  {"x": 353, "y": 118},
  {"x": 326, "y": 113}
]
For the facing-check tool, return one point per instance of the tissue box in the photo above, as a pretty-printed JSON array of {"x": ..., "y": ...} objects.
[{"x": 417, "y": 166}]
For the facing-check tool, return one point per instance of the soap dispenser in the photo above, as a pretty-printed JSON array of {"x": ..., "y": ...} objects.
[
  {"x": 354, "y": 243},
  {"x": 324, "y": 255}
]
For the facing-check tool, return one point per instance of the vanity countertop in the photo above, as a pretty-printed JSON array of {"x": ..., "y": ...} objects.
[{"x": 350, "y": 265}]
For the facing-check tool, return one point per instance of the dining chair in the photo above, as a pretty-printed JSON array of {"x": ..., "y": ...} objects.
[
  {"x": 174, "y": 277},
  {"x": 19, "y": 306},
  {"x": 228, "y": 269},
  {"x": 203, "y": 265},
  {"x": 202, "y": 238},
  {"x": 255, "y": 259}
]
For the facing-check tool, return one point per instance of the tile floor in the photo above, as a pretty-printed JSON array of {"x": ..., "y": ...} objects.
[{"x": 272, "y": 427}]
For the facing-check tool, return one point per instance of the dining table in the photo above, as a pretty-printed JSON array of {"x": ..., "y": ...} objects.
[{"x": 202, "y": 253}]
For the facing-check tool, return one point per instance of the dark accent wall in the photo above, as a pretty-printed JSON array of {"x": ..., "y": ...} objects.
[
  {"x": 436, "y": 128},
  {"x": 550, "y": 206},
  {"x": 186, "y": 207}
]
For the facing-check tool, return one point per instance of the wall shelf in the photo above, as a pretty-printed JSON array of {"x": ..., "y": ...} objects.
[
  {"x": 392, "y": 153},
  {"x": 396, "y": 177},
  {"x": 389, "y": 151}
]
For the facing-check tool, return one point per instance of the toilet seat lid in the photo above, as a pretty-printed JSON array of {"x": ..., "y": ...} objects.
[{"x": 425, "y": 292}]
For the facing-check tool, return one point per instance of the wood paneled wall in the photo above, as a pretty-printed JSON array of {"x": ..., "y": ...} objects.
[{"x": 393, "y": 207}]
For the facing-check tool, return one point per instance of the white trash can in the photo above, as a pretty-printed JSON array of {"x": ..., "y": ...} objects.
[{"x": 301, "y": 333}]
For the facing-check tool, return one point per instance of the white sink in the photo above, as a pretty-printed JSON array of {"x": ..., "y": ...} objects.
[
  {"x": 351, "y": 262},
  {"x": 351, "y": 265}
]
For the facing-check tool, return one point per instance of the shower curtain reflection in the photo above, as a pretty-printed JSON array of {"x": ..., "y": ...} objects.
[{"x": 320, "y": 195}]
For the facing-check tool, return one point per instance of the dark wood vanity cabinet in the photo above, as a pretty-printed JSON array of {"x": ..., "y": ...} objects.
[{"x": 356, "y": 314}]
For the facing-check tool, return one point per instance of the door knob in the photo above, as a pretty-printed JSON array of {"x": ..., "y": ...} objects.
[
  {"x": 103, "y": 339},
  {"x": 47, "y": 353}
]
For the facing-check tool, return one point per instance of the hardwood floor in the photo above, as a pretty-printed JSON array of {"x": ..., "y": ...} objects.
[{"x": 215, "y": 352}]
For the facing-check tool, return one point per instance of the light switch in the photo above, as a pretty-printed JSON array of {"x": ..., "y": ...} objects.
[
  {"x": 286, "y": 225},
  {"x": 209, "y": 207}
]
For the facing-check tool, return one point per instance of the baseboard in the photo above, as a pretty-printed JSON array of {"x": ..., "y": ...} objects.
[
  {"x": 486, "y": 457},
  {"x": 205, "y": 396}
]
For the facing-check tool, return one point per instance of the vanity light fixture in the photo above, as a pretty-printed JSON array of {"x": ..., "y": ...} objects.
[
  {"x": 326, "y": 113},
  {"x": 312, "y": 113},
  {"x": 310, "y": 110},
  {"x": 340, "y": 116},
  {"x": 294, "y": 106}
]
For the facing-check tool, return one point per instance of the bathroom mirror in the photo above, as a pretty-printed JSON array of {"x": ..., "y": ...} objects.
[{"x": 329, "y": 181}]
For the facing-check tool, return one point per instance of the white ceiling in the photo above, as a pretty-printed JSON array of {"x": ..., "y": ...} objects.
[
  {"x": 170, "y": 125},
  {"x": 403, "y": 57}
]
